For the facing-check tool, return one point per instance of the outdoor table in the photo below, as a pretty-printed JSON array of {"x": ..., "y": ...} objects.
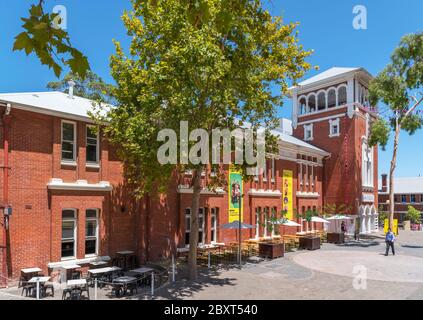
[
  {"x": 98, "y": 263},
  {"x": 96, "y": 273},
  {"x": 39, "y": 281},
  {"x": 31, "y": 270},
  {"x": 27, "y": 274},
  {"x": 126, "y": 254},
  {"x": 125, "y": 281},
  {"x": 68, "y": 268},
  {"x": 77, "y": 282},
  {"x": 78, "y": 285}
]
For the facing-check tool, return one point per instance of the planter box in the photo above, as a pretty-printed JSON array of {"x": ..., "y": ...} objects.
[
  {"x": 310, "y": 243},
  {"x": 271, "y": 250},
  {"x": 336, "y": 237}
]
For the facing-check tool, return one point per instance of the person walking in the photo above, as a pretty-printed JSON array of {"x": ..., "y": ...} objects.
[{"x": 390, "y": 238}]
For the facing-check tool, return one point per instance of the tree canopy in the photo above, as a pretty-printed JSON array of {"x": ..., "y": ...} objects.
[
  {"x": 49, "y": 43},
  {"x": 91, "y": 87}
]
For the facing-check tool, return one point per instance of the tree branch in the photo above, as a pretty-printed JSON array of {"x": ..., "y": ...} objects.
[{"x": 412, "y": 109}]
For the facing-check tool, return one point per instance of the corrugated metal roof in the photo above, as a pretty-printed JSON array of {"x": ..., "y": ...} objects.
[
  {"x": 50, "y": 102},
  {"x": 406, "y": 185},
  {"x": 59, "y": 103}
]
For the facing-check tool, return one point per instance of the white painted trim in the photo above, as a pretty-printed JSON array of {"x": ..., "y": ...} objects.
[
  {"x": 83, "y": 185},
  {"x": 306, "y": 128},
  {"x": 340, "y": 115},
  {"x": 75, "y": 139},
  {"x": 333, "y": 122},
  {"x": 183, "y": 190},
  {"x": 264, "y": 193},
  {"x": 88, "y": 163},
  {"x": 61, "y": 264},
  {"x": 75, "y": 232},
  {"x": 323, "y": 111},
  {"x": 97, "y": 231},
  {"x": 307, "y": 194}
]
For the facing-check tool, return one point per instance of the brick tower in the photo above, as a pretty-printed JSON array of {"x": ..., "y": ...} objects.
[{"x": 331, "y": 111}]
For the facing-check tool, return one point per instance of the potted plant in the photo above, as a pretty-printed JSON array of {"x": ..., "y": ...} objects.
[
  {"x": 310, "y": 241},
  {"x": 414, "y": 217},
  {"x": 272, "y": 249},
  {"x": 334, "y": 210}
]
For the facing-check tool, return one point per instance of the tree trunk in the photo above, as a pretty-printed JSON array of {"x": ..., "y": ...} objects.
[
  {"x": 391, "y": 176},
  {"x": 193, "y": 236}
]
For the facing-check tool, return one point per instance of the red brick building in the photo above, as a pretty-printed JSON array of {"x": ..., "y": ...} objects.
[
  {"x": 407, "y": 192},
  {"x": 69, "y": 203}
]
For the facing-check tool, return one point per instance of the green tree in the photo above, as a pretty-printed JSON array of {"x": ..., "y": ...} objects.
[
  {"x": 400, "y": 87},
  {"x": 50, "y": 43},
  {"x": 413, "y": 215},
  {"x": 91, "y": 87},
  {"x": 208, "y": 62}
]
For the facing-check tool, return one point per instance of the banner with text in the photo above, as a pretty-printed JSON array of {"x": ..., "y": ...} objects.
[
  {"x": 235, "y": 195},
  {"x": 287, "y": 200}
]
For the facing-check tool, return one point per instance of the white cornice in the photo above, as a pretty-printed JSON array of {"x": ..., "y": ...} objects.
[
  {"x": 264, "y": 193},
  {"x": 80, "y": 185}
]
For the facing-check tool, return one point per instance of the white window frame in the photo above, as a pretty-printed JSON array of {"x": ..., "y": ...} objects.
[
  {"x": 97, "y": 162},
  {"x": 213, "y": 226},
  {"x": 75, "y": 127},
  {"x": 258, "y": 214},
  {"x": 273, "y": 170},
  {"x": 265, "y": 171},
  {"x": 201, "y": 212},
  {"x": 96, "y": 237},
  {"x": 308, "y": 128},
  {"x": 367, "y": 165},
  {"x": 334, "y": 123},
  {"x": 75, "y": 233}
]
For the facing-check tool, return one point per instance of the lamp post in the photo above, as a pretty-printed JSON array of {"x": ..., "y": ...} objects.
[{"x": 239, "y": 228}]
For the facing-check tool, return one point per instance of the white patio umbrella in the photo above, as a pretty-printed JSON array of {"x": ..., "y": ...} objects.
[
  {"x": 288, "y": 223},
  {"x": 318, "y": 219},
  {"x": 338, "y": 217}
]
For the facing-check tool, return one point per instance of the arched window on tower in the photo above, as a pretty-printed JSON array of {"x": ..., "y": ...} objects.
[
  {"x": 342, "y": 95},
  {"x": 312, "y": 103},
  {"x": 321, "y": 101},
  {"x": 331, "y": 98},
  {"x": 302, "y": 105}
]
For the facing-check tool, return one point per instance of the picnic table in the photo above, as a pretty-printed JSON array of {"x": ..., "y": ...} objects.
[
  {"x": 100, "y": 272},
  {"x": 69, "y": 269},
  {"x": 125, "y": 283},
  {"x": 76, "y": 287},
  {"x": 27, "y": 274},
  {"x": 40, "y": 281}
]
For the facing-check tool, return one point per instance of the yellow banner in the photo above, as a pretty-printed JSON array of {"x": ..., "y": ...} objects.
[
  {"x": 235, "y": 195},
  {"x": 386, "y": 226},
  {"x": 287, "y": 199}
]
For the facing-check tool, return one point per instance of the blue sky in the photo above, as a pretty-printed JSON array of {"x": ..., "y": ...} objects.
[{"x": 325, "y": 26}]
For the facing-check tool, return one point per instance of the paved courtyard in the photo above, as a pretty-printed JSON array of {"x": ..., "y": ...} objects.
[
  {"x": 323, "y": 274},
  {"x": 328, "y": 273}
]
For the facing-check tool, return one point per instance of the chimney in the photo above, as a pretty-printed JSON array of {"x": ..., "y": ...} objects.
[
  {"x": 384, "y": 182},
  {"x": 71, "y": 84}
]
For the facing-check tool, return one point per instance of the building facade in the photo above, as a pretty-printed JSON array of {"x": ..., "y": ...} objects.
[
  {"x": 407, "y": 192},
  {"x": 65, "y": 198}
]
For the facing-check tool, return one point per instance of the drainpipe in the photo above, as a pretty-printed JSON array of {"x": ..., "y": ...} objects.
[{"x": 6, "y": 124}]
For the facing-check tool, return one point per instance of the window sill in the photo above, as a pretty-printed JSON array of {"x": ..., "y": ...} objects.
[
  {"x": 334, "y": 135},
  {"x": 91, "y": 256},
  {"x": 93, "y": 165},
  {"x": 68, "y": 259},
  {"x": 69, "y": 163}
]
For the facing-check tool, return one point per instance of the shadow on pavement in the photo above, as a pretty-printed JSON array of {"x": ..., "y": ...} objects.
[
  {"x": 358, "y": 244},
  {"x": 184, "y": 289}
]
